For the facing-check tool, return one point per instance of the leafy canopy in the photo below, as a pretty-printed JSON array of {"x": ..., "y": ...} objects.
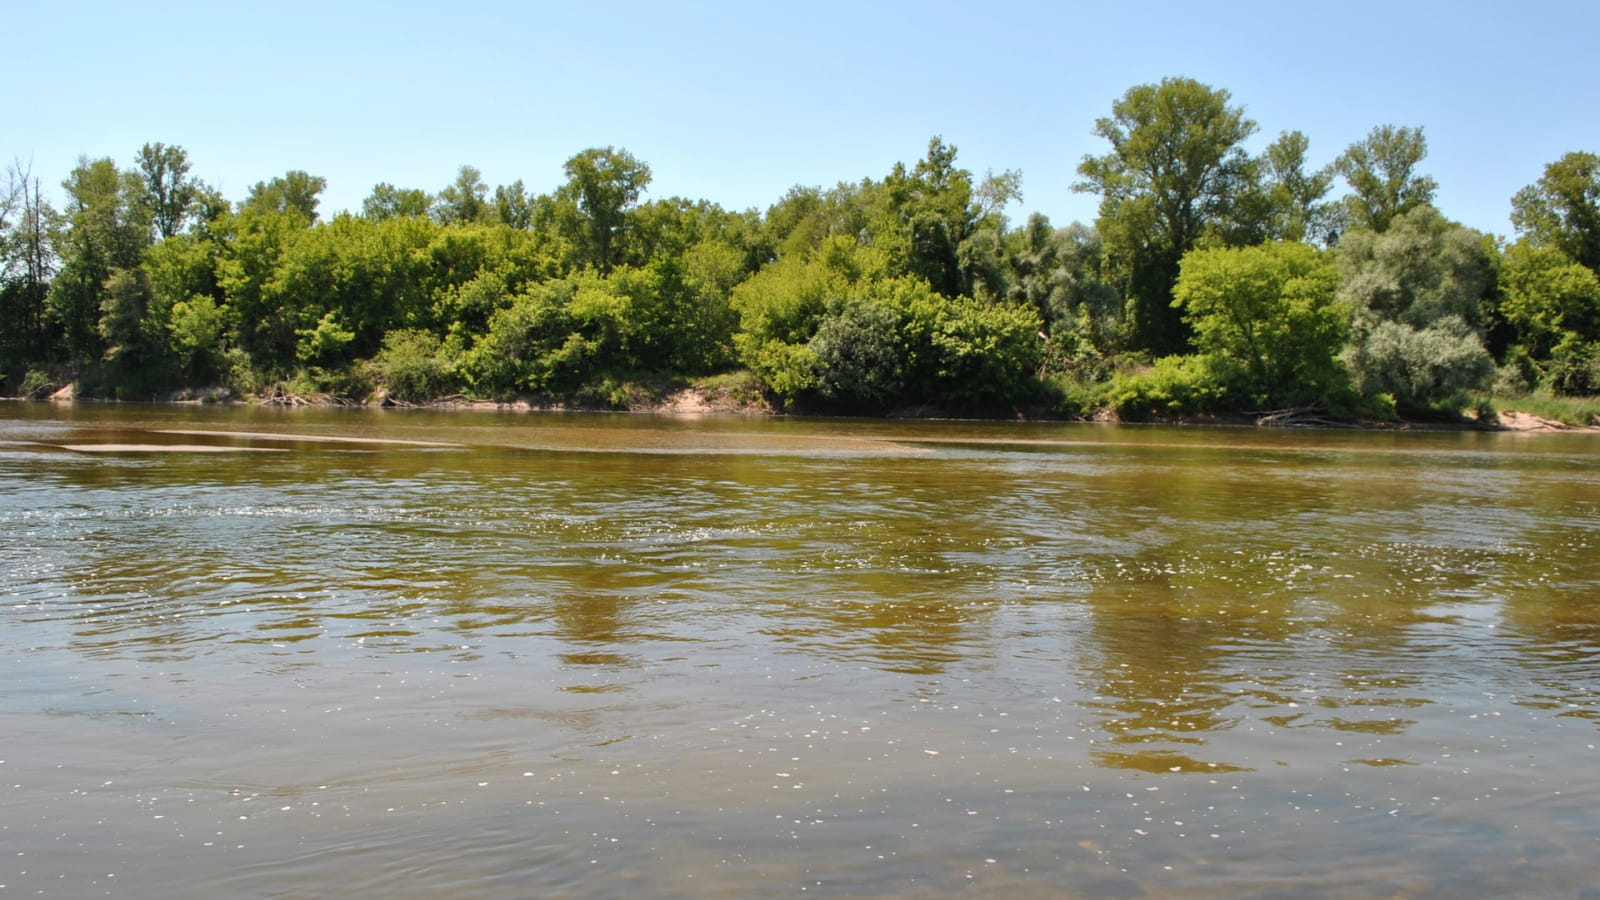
[
  {"x": 1177, "y": 169},
  {"x": 1269, "y": 309},
  {"x": 1382, "y": 172},
  {"x": 1562, "y": 209}
]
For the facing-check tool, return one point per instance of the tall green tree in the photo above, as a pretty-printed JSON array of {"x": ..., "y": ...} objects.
[
  {"x": 186, "y": 312},
  {"x": 1058, "y": 272},
  {"x": 105, "y": 227},
  {"x": 804, "y": 219},
  {"x": 465, "y": 200},
  {"x": 1562, "y": 209},
  {"x": 1295, "y": 196},
  {"x": 603, "y": 183},
  {"x": 169, "y": 191},
  {"x": 1177, "y": 168},
  {"x": 1382, "y": 173},
  {"x": 26, "y": 267},
  {"x": 946, "y": 224},
  {"x": 125, "y": 323},
  {"x": 210, "y": 209},
  {"x": 389, "y": 202},
  {"x": 294, "y": 191},
  {"x": 513, "y": 206},
  {"x": 253, "y": 243}
]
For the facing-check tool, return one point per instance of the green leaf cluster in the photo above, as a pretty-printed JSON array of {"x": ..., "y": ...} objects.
[{"x": 1269, "y": 311}]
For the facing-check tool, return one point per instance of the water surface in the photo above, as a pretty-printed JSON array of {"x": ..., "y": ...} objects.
[{"x": 304, "y": 653}]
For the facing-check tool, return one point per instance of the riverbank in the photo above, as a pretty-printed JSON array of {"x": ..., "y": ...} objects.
[
  {"x": 1511, "y": 420},
  {"x": 736, "y": 397},
  {"x": 721, "y": 399}
]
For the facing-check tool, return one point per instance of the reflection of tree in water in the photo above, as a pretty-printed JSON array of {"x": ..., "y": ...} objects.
[
  {"x": 1558, "y": 625},
  {"x": 1159, "y": 686},
  {"x": 1240, "y": 607},
  {"x": 597, "y": 627},
  {"x": 1183, "y": 627},
  {"x": 895, "y": 592},
  {"x": 1554, "y": 636},
  {"x": 916, "y": 633},
  {"x": 1209, "y": 639},
  {"x": 1171, "y": 619}
]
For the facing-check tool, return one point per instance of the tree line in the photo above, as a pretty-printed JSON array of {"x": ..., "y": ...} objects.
[{"x": 1211, "y": 280}]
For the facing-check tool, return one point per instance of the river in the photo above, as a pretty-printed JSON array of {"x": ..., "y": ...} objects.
[{"x": 300, "y": 653}]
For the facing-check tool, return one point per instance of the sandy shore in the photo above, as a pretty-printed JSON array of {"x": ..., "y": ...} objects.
[{"x": 1520, "y": 421}]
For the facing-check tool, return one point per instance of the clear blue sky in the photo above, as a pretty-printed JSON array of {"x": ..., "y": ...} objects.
[{"x": 736, "y": 102}]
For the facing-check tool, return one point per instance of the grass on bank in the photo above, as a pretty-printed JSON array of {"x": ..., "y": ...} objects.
[{"x": 1568, "y": 410}]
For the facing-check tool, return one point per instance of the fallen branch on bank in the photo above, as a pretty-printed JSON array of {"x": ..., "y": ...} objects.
[
  {"x": 277, "y": 395},
  {"x": 1309, "y": 416}
]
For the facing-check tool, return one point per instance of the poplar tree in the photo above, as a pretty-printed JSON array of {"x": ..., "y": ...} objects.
[{"x": 1176, "y": 169}]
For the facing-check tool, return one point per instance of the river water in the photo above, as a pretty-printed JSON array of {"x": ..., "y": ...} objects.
[{"x": 270, "y": 653}]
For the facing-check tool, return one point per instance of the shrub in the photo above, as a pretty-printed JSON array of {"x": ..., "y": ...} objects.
[
  {"x": 1574, "y": 368},
  {"x": 1421, "y": 367},
  {"x": 520, "y": 350},
  {"x": 1270, "y": 310},
  {"x": 1517, "y": 375},
  {"x": 984, "y": 354},
  {"x": 1174, "y": 386},
  {"x": 1069, "y": 395},
  {"x": 414, "y": 366},
  {"x": 788, "y": 370},
  {"x": 325, "y": 341},
  {"x": 195, "y": 329},
  {"x": 35, "y": 384},
  {"x": 861, "y": 356}
]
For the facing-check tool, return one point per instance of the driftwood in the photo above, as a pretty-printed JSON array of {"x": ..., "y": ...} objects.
[
  {"x": 1309, "y": 416},
  {"x": 278, "y": 395}
]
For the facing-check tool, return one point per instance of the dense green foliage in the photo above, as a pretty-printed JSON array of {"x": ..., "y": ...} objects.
[
  {"x": 1177, "y": 173},
  {"x": 1269, "y": 312},
  {"x": 1417, "y": 294},
  {"x": 1214, "y": 279},
  {"x": 1383, "y": 177}
]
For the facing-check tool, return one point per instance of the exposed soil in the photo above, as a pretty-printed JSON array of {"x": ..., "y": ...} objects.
[
  {"x": 699, "y": 400},
  {"x": 1519, "y": 421}
]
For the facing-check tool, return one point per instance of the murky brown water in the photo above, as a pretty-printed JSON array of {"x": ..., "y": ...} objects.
[{"x": 261, "y": 653}]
